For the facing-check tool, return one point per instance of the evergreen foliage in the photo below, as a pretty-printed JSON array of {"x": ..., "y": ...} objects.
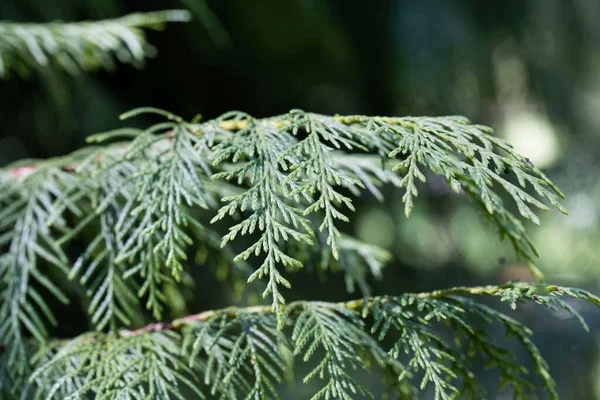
[
  {"x": 80, "y": 45},
  {"x": 142, "y": 198},
  {"x": 262, "y": 198}
]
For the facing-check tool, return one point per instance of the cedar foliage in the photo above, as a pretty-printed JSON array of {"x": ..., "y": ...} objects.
[
  {"x": 80, "y": 46},
  {"x": 266, "y": 197}
]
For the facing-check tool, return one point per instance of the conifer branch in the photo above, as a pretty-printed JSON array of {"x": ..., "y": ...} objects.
[
  {"x": 80, "y": 45},
  {"x": 142, "y": 199}
]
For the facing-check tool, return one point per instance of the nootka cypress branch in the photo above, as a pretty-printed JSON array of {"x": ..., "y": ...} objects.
[{"x": 262, "y": 198}]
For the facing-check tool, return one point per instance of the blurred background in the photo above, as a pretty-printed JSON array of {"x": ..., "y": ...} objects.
[{"x": 530, "y": 69}]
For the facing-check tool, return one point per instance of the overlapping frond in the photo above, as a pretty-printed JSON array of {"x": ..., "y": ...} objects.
[
  {"x": 80, "y": 45},
  {"x": 113, "y": 298},
  {"x": 168, "y": 180},
  {"x": 29, "y": 252},
  {"x": 149, "y": 188},
  {"x": 293, "y": 174},
  {"x": 145, "y": 366},
  {"x": 315, "y": 174},
  {"x": 243, "y": 355}
]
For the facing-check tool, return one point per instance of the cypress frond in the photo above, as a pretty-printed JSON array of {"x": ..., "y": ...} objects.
[
  {"x": 259, "y": 146},
  {"x": 305, "y": 172},
  {"x": 30, "y": 247},
  {"x": 80, "y": 45}
]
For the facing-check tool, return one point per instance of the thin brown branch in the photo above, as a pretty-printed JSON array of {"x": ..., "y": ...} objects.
[{"x": 354, "y": 305}]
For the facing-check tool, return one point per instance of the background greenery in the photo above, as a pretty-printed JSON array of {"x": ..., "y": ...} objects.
[{"x": 530, "y": 69}]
